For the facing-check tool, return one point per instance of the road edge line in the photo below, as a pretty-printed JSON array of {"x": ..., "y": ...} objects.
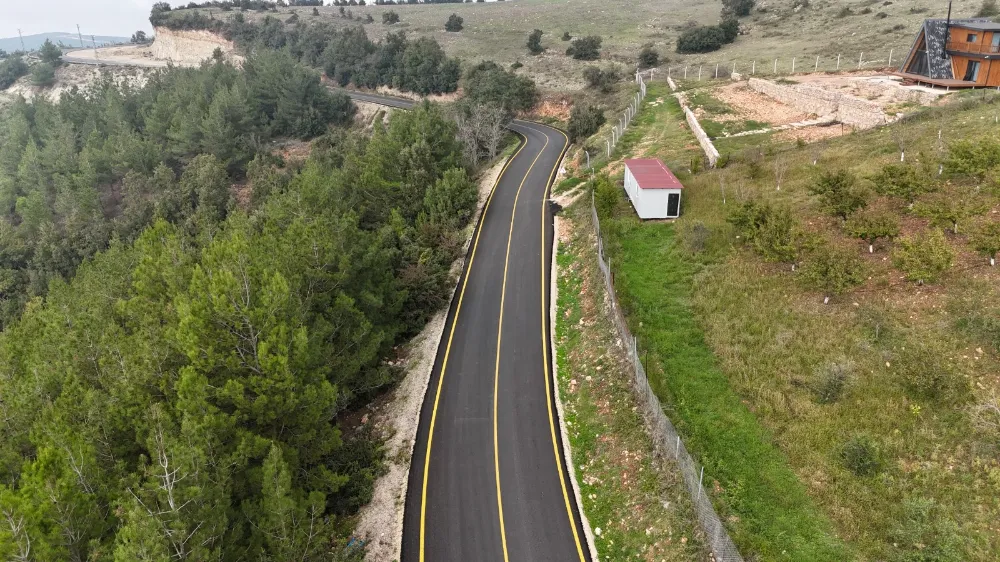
[
  {"x": 464, "y": 271},
  {"x": 567, "y": 448}
]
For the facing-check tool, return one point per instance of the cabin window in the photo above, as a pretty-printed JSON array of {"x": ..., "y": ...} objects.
[
  {"x": 971, "y": 38},
  {"x": 972, "y": 71}
]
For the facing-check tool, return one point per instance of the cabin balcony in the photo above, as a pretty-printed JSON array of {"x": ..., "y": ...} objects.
[{"x": 965, "y": 48}]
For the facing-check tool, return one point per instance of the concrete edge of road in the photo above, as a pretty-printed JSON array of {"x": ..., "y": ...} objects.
[
  {"x": 567, "y": 448},
  {"x": 460, "y": 264}
]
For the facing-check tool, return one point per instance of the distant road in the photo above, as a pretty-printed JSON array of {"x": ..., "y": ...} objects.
[
  {"x": 495, "y": 487},
  {"x": 87, "y": 56}
]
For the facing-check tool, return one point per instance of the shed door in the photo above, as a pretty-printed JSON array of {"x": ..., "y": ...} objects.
[{"x": 673, "y": 204}]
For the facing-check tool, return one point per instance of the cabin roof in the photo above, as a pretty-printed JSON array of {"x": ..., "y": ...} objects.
[
  {"x": 976, "y": 24},
  {"x": 650, "y": 173}
]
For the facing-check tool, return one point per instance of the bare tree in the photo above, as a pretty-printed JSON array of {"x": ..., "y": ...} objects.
[
  {"x": 780, "y": 169},
  {"x": 481, "y": 130},
  {"x": 22, "y": 542}
]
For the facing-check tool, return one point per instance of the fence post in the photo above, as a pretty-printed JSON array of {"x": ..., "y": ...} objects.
[
  {"x": 699, "y": 73},
  {"x": 734, "y": 69},
  {"x": 677, "y": 448},
  {"x": 775, "y": 66},
  {"x": 609, "y": 148},
  {"x": 754, "y": 71},
  {"x": 716, "y": 70},
  {"x": 793, "y": 65},
  {"x": 890, "y": 56},
  {"x": 838, "y": 61},
  {"x": 817, "y": 64},
  {"x": 861, "y": 60},
  {"x": 700, "y": 480},
  {"x": 685, "y": 73}
]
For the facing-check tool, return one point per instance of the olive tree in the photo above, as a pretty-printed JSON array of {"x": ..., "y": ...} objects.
[{"x": 923, "y": 257}]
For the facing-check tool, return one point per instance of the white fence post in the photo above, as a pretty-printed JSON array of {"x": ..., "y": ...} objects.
[
  {"x": 717, "y": 70},
  {"x": 793, "y": 65},
  {"x": 817, "y": 64},
  {"x": 699, "y": 73},
  {"x": 775, "y": 66},
  {"x": 838, "y": 61},
  {"x": 754, "y": 71},
  {"x": 861, "y": 60},
  {"x": 890, "y": 56}
]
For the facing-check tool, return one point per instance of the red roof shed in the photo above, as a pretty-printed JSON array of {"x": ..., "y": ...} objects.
[{"x": 650, "y": 173}]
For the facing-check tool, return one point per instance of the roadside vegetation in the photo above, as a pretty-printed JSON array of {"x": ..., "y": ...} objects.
[
  {"x": 639, "y": 502},
  {"x": 834, "y": 304}
]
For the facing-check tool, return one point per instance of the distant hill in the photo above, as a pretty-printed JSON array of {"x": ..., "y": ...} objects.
[{"x": 32, "y": 42}]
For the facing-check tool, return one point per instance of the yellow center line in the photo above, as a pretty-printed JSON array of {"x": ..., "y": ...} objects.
[
  {"x": 496, "y": 378},
  {"x": 545, "y": 360},
  {"x": 447, "y": 353}
]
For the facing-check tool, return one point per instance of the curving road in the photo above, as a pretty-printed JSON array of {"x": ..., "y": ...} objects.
[{"x": 488, "y": 482}]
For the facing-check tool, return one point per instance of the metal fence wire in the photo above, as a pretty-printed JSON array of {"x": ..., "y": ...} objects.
[{"x": 667, "y": 442}]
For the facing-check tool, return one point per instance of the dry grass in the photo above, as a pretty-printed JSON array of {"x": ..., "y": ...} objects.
[{"x": 498, "y": 31}]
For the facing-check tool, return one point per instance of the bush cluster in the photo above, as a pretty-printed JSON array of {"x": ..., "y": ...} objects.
[
  {"x": 708, "y": 38},
  {"x": 584, "y": 121},
  {"x": 585, "y": 48}
]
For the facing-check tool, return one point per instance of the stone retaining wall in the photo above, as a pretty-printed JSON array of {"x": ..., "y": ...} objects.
[
  {"x": 847, "y": 109},
  {"x": 699, "y": 133}
]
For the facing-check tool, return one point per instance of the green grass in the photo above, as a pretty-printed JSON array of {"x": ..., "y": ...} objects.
[
  {"x": 643, "y": 510},
  {"x": 774, "y": 517}
]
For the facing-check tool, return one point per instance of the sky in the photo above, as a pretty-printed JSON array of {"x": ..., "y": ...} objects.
[{"x": 96, "y": 17}]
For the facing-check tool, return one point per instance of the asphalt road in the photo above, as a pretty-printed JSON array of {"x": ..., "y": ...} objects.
[{"x": 488, "y": 481}]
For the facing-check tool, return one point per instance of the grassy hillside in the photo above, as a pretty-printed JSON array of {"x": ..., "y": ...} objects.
[
  {"x": 498, "y": 31},
  {"x": 883, "y": 403}
]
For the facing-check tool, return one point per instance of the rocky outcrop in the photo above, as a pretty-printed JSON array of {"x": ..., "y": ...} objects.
[{"x": 189, "y": 47}]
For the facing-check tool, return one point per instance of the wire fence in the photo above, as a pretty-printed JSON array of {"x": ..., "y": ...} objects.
[
  {"x": 890, "y": 59},
  {"x": 666, "y": 441}
]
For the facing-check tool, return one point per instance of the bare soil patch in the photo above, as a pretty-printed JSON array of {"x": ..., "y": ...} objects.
[{"x": 750, "y": 104}]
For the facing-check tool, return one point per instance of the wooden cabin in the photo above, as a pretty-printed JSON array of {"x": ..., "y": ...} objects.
[{"x": 955, "y": 53}]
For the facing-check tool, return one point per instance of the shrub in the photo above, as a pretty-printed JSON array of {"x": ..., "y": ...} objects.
[
  {"x": 924, "y": 533},
  {"x": 948, "y": 210},
  {"x": 648, "y": 57},
  {"x": 861, "y": 456},
  {"x": 844, "y": 12},
  {"x": 43, "y": 74},
  {"x": 925, "y": 257},
  {"x": 972, "y": 157},
  {"x": 832, "y": 270},
  {"x": 604, "y": 80},
  {"x": 516, "y": 65},
  {"x": 730, "y": 29},
  {"x": 830, "y": 382},
  {"x": 988, "y": 9},
  {"x": 390, "y": 17},
  {"x": 839, "y": 193},
  {"x": 702, "y": 39},
  {"x": 926, "y": 373},
  {"x": 605, "y": 196},
  {"x": 738, "y": 8},
  {"x": 11, "y": 69},
  {"x": 985, "y": 239},
  {"x": 695, "y": 235},
  {"x": 566, "y": 36},
  {"x": 881, "y": 16},
  {"x": 585, "y": 48},
  {"x": 454, "y": 23},
  {"x": 872, "y": 224},
  {"x": 535, "y": 42},
  {"x": 900, "y": 180},
  {"x": 584, "y": 121}
]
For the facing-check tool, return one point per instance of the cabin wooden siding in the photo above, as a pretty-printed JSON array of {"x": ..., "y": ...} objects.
[{"x": 958, "y": 40}]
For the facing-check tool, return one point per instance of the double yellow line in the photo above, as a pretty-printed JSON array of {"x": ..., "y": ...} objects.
[{"x": 496, "y": 380}]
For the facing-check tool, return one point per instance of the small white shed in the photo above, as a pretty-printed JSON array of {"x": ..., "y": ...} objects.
[{"x": 653, "y": 189}]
